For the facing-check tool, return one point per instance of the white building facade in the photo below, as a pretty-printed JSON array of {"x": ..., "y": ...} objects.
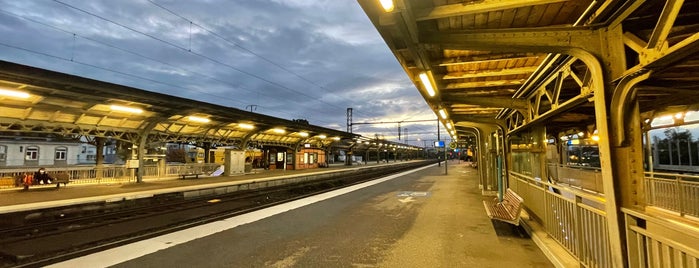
[{"x": 38, "y": 153}]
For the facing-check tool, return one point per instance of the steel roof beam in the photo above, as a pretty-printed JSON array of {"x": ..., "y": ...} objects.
[
  {"x": 476, "y": 7},
  {"x": 498, "y": 83},
  {"x": 488, "y": 101},
  {"x": 488, "y": 59},
  {"x": 549, "y": 39},
  {"x": 502, "y": 72}
]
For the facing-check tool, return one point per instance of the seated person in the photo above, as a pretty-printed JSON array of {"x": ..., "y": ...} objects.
[{"x": 42, "y": 177}]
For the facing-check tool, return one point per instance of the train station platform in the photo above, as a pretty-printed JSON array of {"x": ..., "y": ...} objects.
[
  {"x": 16, "y": 199},
  {"x": 418, "y": 218}
]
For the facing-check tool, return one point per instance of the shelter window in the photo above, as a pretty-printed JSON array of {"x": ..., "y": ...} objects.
[
  {"x": 582, "y": 152},
  {"x": 310, "y": 158},
  {"x": 61, "y": 153},
  {"x": 675, "y": 148},
  {"x": 32, "y": 153},
  {"x": 3, "y": 153}
]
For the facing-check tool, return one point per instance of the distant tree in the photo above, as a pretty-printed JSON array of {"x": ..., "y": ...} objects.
[
  {"x": 123, "y": 150},
  {"x": 677, "y": 143},
  {"x": 301, "y": 121}
]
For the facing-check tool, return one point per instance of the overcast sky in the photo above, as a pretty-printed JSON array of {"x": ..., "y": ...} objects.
[{"x": 293, "y": 59}]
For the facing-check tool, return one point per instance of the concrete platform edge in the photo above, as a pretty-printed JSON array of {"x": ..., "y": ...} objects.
[{"x": 189, "y": 191}]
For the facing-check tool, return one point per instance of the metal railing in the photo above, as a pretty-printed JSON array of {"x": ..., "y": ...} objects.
[
  {"x": 653, "y": 242},
  {"x": 576, "y": 220},
  {"x": 110, "y": 174},
  {"x": 674, "y": 192},
  {"x": 587, "y": 178}
]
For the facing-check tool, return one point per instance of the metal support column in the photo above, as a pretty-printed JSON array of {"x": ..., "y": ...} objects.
[{"x": 143, "y": 138}]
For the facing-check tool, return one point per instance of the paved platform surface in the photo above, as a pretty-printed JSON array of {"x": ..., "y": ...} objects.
[{"x": 418, "y": 219}]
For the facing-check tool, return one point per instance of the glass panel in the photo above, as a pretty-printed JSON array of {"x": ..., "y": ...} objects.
[
  {"x": 675, "y": 148},
  {"x": 61, "y": 153},
  {"x": 32, "y": 153}
]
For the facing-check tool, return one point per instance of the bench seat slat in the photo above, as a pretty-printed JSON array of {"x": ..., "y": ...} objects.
[{"x": 508, "y": 210}]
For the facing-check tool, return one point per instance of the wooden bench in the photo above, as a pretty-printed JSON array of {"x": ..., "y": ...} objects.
[
  {"x": 508, "y": 210},
  {"x": 57, "y": 178},
  {"x": 185, "y": 175},
  {"x": 61, "y": 178}
]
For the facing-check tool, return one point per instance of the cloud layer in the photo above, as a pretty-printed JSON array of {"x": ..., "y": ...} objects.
[{"x": 291, "y": 59}]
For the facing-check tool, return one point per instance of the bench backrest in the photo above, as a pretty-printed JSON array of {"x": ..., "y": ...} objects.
[{"x": 512, "y": 202}]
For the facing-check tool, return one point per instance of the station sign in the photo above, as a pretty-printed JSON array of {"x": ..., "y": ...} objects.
[{"x": 439, "y": 144}]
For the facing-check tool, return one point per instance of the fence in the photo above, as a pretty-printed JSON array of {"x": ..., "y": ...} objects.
[
  {"x": 111, "y": 174},
  {"x": 653, "y": 242},
  {"x": 674, "y": 192},
  {"x": 587, "y": 178},
  {"x": 574, "y": 219}
]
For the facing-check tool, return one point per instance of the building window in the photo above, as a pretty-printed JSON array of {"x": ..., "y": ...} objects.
[
  {"x": 61, "y": 153},
  {"x": 3, "y": 153},
  {"x": 32, "y": 153}
]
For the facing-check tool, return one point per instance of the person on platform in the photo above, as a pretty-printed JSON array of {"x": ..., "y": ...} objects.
[
  {"x": 27, "y": 180},
  {"x": 41, "y": 177}
]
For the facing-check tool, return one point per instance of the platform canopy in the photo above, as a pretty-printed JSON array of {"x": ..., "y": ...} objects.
[
  {"x": 36, "y": 101},
  {"x": 506, "y": 62}
]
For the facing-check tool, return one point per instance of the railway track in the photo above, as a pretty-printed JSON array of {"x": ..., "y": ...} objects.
[{"x": 61, "y": 236}]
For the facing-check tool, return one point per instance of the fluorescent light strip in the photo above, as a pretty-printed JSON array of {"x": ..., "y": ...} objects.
[
  {"x": 126, "y": 109},
  {"x": 443, "y": 113},
  {"x": 246, "y": 126},
  {"x": 14, "y": 93},
  {"x": 387, "y": 5},
  {"x": 427, "y": 84},
  {"x": 198, "y": 119}
]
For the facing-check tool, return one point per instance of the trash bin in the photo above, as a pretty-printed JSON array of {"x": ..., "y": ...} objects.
[{"x": 248, "y": 167}]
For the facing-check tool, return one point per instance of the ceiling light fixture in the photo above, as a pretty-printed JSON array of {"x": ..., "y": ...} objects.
[
  {"x": 198, "y": 119},
  {"x": 387, "y": 5},
  {"x": 246, "y": 126},
  {"x": 443, "y": 113},
  {"x": 125, "y": 109},
  {"x": 14, "y": 93},
  {"x": 427, "y": 84}
]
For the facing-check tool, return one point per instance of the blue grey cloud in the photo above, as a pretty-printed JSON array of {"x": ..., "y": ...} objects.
[{"x": 292, "y": 59}]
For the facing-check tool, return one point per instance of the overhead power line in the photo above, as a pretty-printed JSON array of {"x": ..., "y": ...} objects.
[
  {"x": 73, "y": 60},
  {"x": 186, "y": 50},
  {"x": 235, "y": 44}
]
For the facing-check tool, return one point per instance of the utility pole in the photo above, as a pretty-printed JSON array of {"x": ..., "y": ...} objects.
[
  {"x": 439, "y": 163},
  {"x": 398, "y": 130},
  {"x": 349, "y": 120}
]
